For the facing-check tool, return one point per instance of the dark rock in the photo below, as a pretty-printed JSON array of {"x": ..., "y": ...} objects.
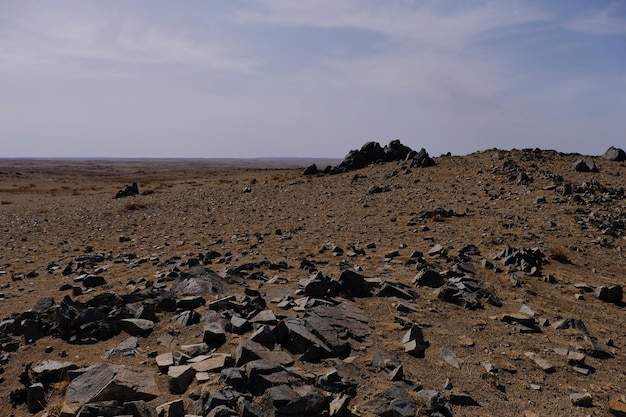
[
  {"x": 581, "y": 400},
  {"x": 303, "y": 400},
  {"x": 137, "y": 327},
  {"x": 310, "y": 170},
  {"x": 463, "y": 399},
  {"x": 50, "y": 371},
  {"x": 468, "y": 292},
  {"x": 127, "y": 348},
  {"x": 298, "y": 339},
  {"x": 354, "y": 284},
  {"x": 174, "y": 408},
  {"x": 248, "y": 350},
  {"x": 129, "y": 191},
  {"x": 584, "y": 166},
  {"x": 396, "y": 289},
  {"x": 428, "y": 277},
  {"x": 414, "y": 343},
  {"x": 420, "y": 159},
  {"x": 110, "y": 408},
  {"x": 615, "y": 154},
  {"x": 180, "y": 377},
  {"x": 384, "y": 360},
  {"x": 222, "y": 411},
  {"x": 36, "y": 398},
  {"x": 612, "y": 294},
  {"x": 435, "y": 402},
  {"x": 341, "y": 327},
  {"x": 187, "y": 318},
  {"x": 394, "y": 402}
]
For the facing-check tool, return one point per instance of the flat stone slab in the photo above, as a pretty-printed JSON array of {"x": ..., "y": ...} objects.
[{"x": 106, "y": 382}]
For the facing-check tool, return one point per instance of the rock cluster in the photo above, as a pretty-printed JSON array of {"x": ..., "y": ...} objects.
[{"x": 372, "y": 152}]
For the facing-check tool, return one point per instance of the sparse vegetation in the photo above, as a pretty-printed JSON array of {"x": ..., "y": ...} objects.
[
  {"x": 134, "y": 206},
  {"x": 559, "y": 253}
]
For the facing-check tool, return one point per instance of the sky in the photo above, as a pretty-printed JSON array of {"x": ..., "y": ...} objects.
[{"x": 296, "y": 78}]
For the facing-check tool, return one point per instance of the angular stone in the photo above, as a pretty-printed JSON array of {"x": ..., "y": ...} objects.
[
  {"x": 137, "y": 327},
  {"x": 50, "y": 371},
  {"x": 180, "y": 377},
  {"x": 248, "y": 350},
  {"x": 612, "y": 294},
  {"x": 581, "y": 400},
  {"x": 214, "y": 333},
  {"x": 428, "y": 277},
  {"x": 109, "y": 382},
  {"x": 264, "y": 317},
  {"x": 125, "y": 349},
  {"x": 435, "y": 402},
  {"x": 214, "y": 363},
  {"x": 296, "y": 401},
  {"x": 450, "y": 358},
  {"x": 174, "y": 408},
  {"x": 339, "y": 405},
  {"x": 462, "y": 398},
  {"x": 92, "y": 281},
  {"x": 540, "y": 362},
  {"x": 164, "y": 361},
  {"x": 354, "y": 284},
  {"x": 395, "y": 402},
  {"x": 36, "y": 397}
]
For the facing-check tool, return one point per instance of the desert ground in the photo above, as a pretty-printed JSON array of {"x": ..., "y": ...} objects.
[{"x": 276, "y": 236}]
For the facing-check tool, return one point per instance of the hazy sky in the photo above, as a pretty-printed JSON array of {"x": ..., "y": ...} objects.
[{"x": 258, "y": 78}]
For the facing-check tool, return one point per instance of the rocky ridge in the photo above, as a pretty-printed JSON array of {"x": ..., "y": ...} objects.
[{"x": 439, "y": 296}]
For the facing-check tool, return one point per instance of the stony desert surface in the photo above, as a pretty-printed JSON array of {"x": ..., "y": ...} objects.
[{"x": 485, "y": 285}]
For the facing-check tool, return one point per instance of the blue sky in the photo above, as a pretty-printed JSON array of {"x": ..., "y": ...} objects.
[{"x": 261, "y": 78}]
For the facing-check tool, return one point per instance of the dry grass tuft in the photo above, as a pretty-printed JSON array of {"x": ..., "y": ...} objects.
[
  {"x": 559, "y": 253},
  {"x": 134, "y": 206}
]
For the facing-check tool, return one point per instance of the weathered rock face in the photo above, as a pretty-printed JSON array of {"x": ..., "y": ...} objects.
[
  {"x": 615, "y": 154},
  {"x": 106, "y": 382}
]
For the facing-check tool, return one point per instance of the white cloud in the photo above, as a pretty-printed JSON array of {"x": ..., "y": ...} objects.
[{"x": 52, "y": 41}]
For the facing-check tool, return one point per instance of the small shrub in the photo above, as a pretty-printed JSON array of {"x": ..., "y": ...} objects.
[
  {"x": 559, "y": 253},
  {"x": 134, "y": 206}
]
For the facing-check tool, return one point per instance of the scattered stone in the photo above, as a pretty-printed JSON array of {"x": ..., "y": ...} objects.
[
  {"x": 300, "y": 400},
  {"x": 36, "y": 397},
  {"x": 394, "y": 401},
  {"x": 468, "y": 292},
  {"x": 125, "y": 349},
  {"x": 617, "y": 406},
  {"x": 414, "y": 343},
  {"x": 310, "y": 170},
  {"x": 180, "y": 377},
  {"x": 435, "y": 402},
  {"x": 612, "y": 294},
  {"x": 339, "y": 405},
  {"x": 137, "y": 327},
  {"x": 540, "y": 362},
  {"x": 581, "y": 400},
  {"x": 450, "y": 358},
  {"x": 129, "y": 191},
  {"x": 463, "y": 399},
  {"x": 174, "y": 408},
  {"x": 581, "y": 165}
]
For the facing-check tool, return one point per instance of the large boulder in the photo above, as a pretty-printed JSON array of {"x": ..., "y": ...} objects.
[
  {"x": 615, "y": 154},
  {"x": 372, "y": 152}
]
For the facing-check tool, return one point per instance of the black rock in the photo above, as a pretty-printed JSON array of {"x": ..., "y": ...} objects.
[
  {"x": 129, "y": 191},
  {"x": 310, "y": 170},
  {"x": 394, "y": 402}
]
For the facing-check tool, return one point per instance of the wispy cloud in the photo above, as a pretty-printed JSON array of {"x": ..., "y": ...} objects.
[
  {"x": 603, "y": 22},
  {"x": 49, "y": 38},
  {"x": 442, "y": 24}
]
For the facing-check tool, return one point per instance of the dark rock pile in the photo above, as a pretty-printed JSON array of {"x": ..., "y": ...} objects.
[{"x": 372, "y": 152}]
